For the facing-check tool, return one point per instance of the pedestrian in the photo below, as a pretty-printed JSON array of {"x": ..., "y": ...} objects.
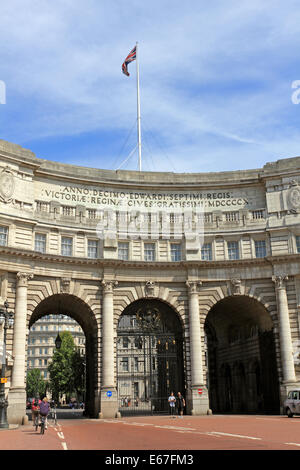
[
  {"x": 44, "y": 410},
  {"x": 35, "y": 410},
  {"x": 180, "y": 404},
  {"x": 172, "y": 401}
]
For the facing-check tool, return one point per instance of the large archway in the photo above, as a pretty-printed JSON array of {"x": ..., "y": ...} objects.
[
  {"x": 149, "y": 357},
  {"x": 241, "y": 359},
  {"x": 74, "y": 307}
]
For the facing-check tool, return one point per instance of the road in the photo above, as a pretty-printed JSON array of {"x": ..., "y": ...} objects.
[{"x": 214, "y": 432}]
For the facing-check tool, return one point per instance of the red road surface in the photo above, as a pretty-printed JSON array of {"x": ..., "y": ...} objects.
[{"x": 214, "y": 432}]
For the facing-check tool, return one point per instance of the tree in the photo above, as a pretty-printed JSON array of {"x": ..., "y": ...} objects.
[
  {"x": 35, "y": 384},
  {"x": 65, "y": 367}
]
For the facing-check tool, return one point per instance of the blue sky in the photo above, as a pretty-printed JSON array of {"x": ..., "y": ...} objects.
[{"x": 216, "y": 82}]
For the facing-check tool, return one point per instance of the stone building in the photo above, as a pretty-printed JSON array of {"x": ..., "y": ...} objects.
[{"x": 183, "y": 282}]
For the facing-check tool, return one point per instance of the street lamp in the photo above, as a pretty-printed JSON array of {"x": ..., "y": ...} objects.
[
  {"x": 7, "y": 320},
  {"x": 58, "y": 341}
]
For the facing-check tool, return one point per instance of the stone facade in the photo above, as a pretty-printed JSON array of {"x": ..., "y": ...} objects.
[{"x": 234, "y": 289}]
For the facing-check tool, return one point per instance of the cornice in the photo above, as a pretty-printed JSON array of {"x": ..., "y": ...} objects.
[{"x": 116, "y": 263}]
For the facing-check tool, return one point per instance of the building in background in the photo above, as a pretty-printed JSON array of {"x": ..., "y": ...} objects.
[{"x": 41, "y": 340}]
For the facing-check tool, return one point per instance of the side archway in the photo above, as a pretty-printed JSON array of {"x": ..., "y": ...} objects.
[
  {"x": 74, "y": 307},
  {"x": 241, "y": 357}
]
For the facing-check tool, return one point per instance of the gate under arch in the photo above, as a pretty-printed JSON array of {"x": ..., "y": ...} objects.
[
  {"x": 149, "y": 357},
  {"x": 242, "y": 369}
]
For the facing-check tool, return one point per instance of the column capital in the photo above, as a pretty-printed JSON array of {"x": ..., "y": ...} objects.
[
  {"x": 193, "y": 286},
  {"x": 108, "y": 286},
  {"x": 23, "y": 278},
  {"x": 280, "y": 281}
]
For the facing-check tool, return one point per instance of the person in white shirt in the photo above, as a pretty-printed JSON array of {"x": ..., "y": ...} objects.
[{"x": 172, "y": 401}]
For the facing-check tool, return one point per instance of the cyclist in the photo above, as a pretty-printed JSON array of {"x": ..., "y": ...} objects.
[
  {"x": 35, "y": 410},
  {"x": 44, "y": 410}
]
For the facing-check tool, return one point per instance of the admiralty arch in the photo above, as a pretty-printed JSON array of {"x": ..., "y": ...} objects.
[{"x": 180, "y": 282}]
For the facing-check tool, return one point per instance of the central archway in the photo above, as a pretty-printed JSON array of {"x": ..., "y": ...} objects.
[
  {"x": 149, "y": 357},
  {"x": 241, "y": 357},
  {"x": 74, "y": 307}
]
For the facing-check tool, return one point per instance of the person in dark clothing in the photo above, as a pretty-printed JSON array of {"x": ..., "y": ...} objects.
[
  {"x": 180, "y": 402},
  {"x": 44, "y": 410}
]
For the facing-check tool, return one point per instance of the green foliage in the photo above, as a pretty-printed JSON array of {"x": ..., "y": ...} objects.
[
  {"x": 66, "y": 369},
  {"x": 35, "y": 384}
]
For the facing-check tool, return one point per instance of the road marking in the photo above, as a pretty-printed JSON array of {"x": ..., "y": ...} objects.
[
  {"x": 179, "y": 428},
  {"x": 292, "y": 444},
  {"x": 64, "y": 445},
  {"x": 233, "y": 435},
  {"x": 60, "y": 435}
]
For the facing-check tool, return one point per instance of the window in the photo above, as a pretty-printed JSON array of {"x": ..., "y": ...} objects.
[
  {"x": 206, "y": 252},
  {"x": 125, "y": 342},
  {"x": 66, "y": 246},
  {"x": 3, "y": 236},
  {"x": 68, "y": 211},
  {"x": 175, "y": 252},
  {"x": 149, "y": 251},
  {"x": 298, "y": 243},
  {"x": 92, "y": 248},
  {"x": 123, "y": 250},
  {"x": 233, "y": 250},
  {"x": 40, "y": 242},
  {"x": 124, "y": 363},
  {"x": 232, "y": 216},
  {"x": 258, "y": 214},
  {"x": 260, "y": 248}
]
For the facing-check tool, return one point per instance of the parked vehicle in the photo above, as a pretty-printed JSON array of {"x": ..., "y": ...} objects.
[{"x": 292, "y": 403}]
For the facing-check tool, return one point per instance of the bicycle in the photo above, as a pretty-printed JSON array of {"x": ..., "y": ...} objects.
[
  {"x": 54, "y": 415},
  {"x": 42, "y": 423},
  {"x": 36, "y": 421}
]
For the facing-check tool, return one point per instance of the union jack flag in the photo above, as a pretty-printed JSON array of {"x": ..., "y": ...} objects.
[{"x": 131, "y": 56}]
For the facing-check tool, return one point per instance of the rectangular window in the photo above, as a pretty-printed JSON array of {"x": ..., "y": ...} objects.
[
  {"x": 149, "y": 251},
  {"x": 3, "y": 236},
  {"x": 298, "y": 243},
  {"x": 123, "y": 250},
  {"x": 66, "y": 246},
  {"x": 206, "y": 252},
  {"x": 258, "y": 214},
  {"x": 233, "y": 250},
  {"x": 231, "y": 216},
  {"x": 175, "y": 252},
  {"x": 125, "y": 366},
  {"x": 40, "y": 242},
  {"x": 92, "y": 248},
  {"x": 260, "y": 248}
]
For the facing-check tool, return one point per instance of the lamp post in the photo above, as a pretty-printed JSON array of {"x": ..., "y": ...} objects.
[{"x": 7, "y": 320}]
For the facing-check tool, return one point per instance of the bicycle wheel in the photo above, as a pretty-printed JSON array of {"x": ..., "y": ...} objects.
[{"x": 42, "y": 426}]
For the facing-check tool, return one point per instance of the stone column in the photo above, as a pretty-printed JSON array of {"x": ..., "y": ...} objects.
[
  {"x": 17, "y": 394},
  {"x": 198, "y": 396},
  {"x": 286, "y": 348},
  {"x": 109, "y": 400}
]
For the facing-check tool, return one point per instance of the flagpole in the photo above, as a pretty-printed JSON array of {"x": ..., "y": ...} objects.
[{"x": 138, "y": 109}]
